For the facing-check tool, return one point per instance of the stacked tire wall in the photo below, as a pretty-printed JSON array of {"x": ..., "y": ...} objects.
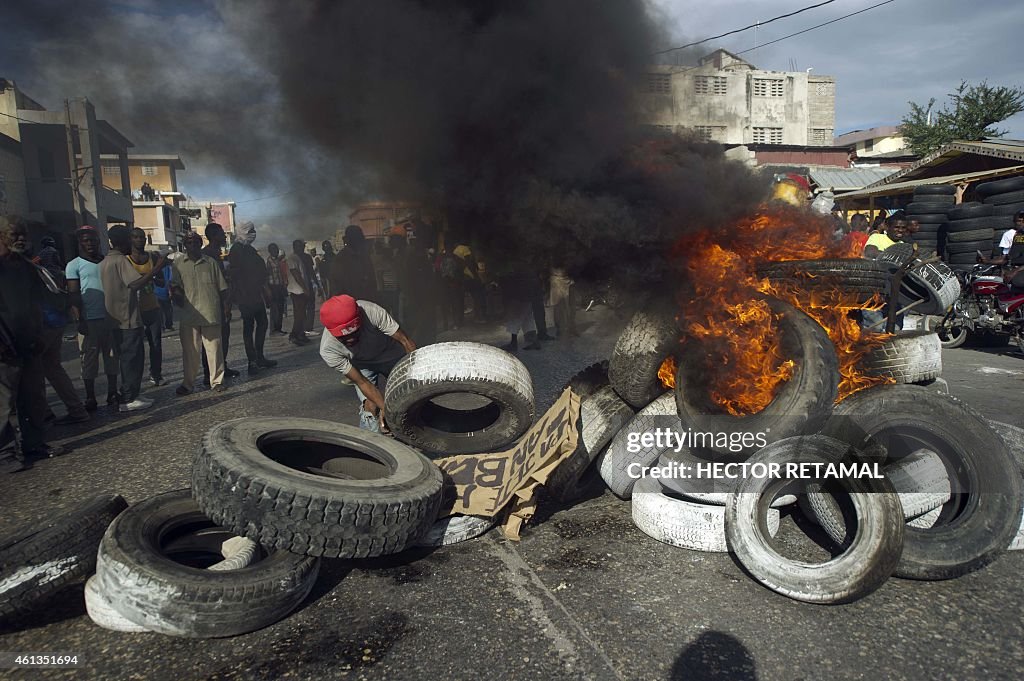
[
  {"x": 930, "y": 205},
  {"x": 1006, "y": 196}
]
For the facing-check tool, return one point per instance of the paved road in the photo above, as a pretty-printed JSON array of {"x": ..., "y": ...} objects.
[{"x": 584, "y": 595}]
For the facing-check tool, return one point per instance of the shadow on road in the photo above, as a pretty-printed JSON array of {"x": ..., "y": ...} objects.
[{"x": 714, "y": 655}]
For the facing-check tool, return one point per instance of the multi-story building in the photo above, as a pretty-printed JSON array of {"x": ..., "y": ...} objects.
[
  {"x": 873, "y": 141},
  {"x": 50, "y": 161},
  {"x": 200, "y": 213},
  {"x": 726, "y": 99},
  {"x": 157, "y": 208}
]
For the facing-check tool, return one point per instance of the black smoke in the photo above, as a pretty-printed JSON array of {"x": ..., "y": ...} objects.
[{"x": 516, "y": 118}]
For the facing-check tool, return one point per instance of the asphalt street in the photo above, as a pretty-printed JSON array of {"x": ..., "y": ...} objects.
[{"x": 584, "y": 595}]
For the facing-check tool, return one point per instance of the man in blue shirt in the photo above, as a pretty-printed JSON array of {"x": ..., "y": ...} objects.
[{"x": 96, "y": 337}]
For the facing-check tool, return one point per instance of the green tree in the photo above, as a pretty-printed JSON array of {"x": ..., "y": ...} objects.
[{"x": 969, "y": 115}]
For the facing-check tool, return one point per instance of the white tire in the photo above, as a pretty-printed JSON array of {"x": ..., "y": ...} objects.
[
  {"x": 238, "y": 552},
  {"x": 102, "y": 613},
  {"x": 614, "y": 462},
  {"x": 455, "y": 529},
  {"x": 907, "y": 357},
  {"x": 686, "y": 524},
  {"x": 415, "y": 416}
]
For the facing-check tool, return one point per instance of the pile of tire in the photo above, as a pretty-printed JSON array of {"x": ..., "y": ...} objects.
[
  {"x": 970, "y": 230},
  {"x": 270, "y": 497},
  {"x": 911, "y": 522},
  {"x": 1006, "y": 196},
  {"x": 929, "y": 208}
]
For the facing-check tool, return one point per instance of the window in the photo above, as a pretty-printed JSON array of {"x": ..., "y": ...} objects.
[
  {"x": 710, "y": 133},
  {"x": 111, "y": 169},
  {"x": 767, "y": 135},
  {"x": 768, "y": 87},
  {"x": 821, "y": 137},
  {"x": 148, "y": 169},
  {"x": 659, "y": 83},
  {"x": 709, "y": 85},
  {"x": 869, "y": 145}
]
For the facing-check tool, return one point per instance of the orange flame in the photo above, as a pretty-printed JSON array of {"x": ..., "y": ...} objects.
[
  {"x": 743, "y": 362},
  {"x": 667, "y": 372}
]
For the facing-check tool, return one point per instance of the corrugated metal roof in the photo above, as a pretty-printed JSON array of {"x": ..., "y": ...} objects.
[
  {"x": 909, "y": 185},
  {"x": 845, "y": 179},
  {"x": 1000, "y": 148}
]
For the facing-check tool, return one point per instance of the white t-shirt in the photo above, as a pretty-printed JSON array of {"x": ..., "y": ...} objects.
[
  {"x": 294, "y": 263},
  {"x": 334, "y": 352},
  {"x": 1007, "y": 240}
]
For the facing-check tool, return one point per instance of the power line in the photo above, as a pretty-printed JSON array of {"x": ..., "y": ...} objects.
[
  {"x": 745, "y": 28},
  {"x": 791, "y": 35},
  {"x": 270, "y": 196}
]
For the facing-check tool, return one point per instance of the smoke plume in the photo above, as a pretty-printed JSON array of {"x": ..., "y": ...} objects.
[{"x": 516, "y": 118}]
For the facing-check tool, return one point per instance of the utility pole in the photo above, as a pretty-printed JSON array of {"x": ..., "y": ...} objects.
[{"x": 76, "y": 180}]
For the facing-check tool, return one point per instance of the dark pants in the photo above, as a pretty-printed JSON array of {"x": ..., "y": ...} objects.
[
  {"x": 53, "y": 370},
  {"x": 167, "y": 308},
  {"x": 310, "y": 311},
  {"x": 278, "y": 301},
  {"x": 131, "y": 358},
  {"x": 299, "y": 318},
  {"x": 12, "y": 380},
  {"x": 31, "y": 392},
  {"x": 455, "y": 297},
  {"x": 537, "y": 303},
  {"x": 153, "y": 322},
  {"x": 225, "y": 337},
  {"x": 254, "y": 329}
]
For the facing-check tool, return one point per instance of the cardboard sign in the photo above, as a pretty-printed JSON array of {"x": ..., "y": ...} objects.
[{"x": 505, "y": 482}]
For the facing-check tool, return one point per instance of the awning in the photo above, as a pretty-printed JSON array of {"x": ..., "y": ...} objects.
[{"x": 909, "y": 186}]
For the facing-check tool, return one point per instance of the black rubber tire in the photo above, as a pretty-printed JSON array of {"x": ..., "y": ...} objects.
[
  {"x": 1002, "y": 186},
  {"x": 972, "y": 224},
  {"x": 928, "y": 218},
  {"x": 651, "y": 336},
  {"x": 801, "y": 405},
  {"x": 935, "y": 189},
  {"x": 149, "y": 588},
  {"x": 929, "y": 204},
  {"x": 850, "y": 275},
  {"x": 970, "y": 235},
  {"x": 963, "y": 261},
  {"x": 983, "y": 245},
  {"x": 860, "y": 569},
  {"x": 972, "y": 209},
  {"x": 392, "y": 501},
  {"x": 1003, "y": 199},
  {"x": 984, "y": 513},
  {"x": 1008, "y": 208},
  {"x": 588, "y": 380},
  {"x": 473, "y": 369},
  {"x": 934, "y": 283},
  {"x": 37, "y": 562},
  {"x": 932, "y": 227},
  {"x": 906, "y": 357},
  {"x": 602, "y": 415}
]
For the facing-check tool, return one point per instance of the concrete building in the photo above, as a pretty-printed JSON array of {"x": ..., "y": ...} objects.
[
  {"x": 873, "y": 141},
  {"x": 377, "y": 217},
  {"x": 159, "y": 214},
  {"x": 726, "y": 99},
  {"x": 200, "y": 213},
  {"x": 62, "y": 186}
]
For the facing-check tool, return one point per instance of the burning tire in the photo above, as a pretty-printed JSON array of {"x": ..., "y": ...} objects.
[
  {"x": 602, "y": 415},
  {"x": 867, "y": 278},
  {"x": 614, "y": 462},
  {"x": 651, "y": 336},
  {"x": 151, "y": 570},
  {"x": 315, "y": 487},
  {"x": 459, "y": 398},
  {"x": 801, "y": 405},
  {"x": 37, "y": 562},
  {"x": 932, "y": 285},
  {"x": 860, "y": 569},
  {"x": 908, "y": 357},
  {"x": 659, "y": 514},
  {"x": 984, "y": 511}
]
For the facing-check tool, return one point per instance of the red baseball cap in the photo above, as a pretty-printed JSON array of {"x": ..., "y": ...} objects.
[{"x": 340, "y": 315}]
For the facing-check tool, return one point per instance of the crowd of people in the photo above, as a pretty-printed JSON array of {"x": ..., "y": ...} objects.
[{"x": 123, "y": 302}]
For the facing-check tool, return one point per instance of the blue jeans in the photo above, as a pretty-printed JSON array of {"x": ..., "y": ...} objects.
[{"x": 367, "y": 421}]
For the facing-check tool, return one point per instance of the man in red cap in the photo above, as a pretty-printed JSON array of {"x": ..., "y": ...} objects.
[{"x": 362, "y": 342}]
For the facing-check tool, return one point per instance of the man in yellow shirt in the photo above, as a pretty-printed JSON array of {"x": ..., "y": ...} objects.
[{"x": 897, "y": 229}]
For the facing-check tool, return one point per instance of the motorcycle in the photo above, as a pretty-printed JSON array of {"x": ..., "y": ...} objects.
[{"x": 988, "y": 310}]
